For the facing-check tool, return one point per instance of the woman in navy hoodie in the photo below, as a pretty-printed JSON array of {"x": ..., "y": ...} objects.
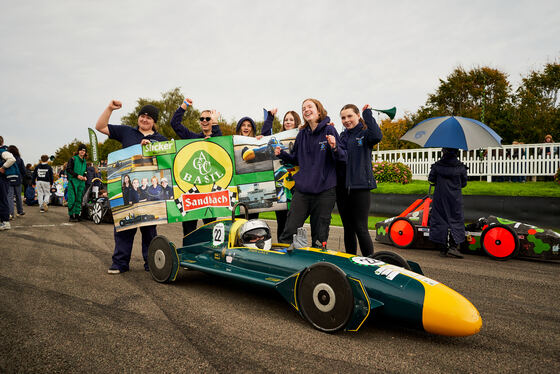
[
  {"x": 316, "y": 150},
  {"x": 355, "y": 176}
]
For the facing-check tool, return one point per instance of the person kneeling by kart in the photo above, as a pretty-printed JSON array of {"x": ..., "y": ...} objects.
[{"x": 449, "y": 175}]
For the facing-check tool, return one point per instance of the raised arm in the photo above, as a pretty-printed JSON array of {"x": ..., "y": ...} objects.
[
  {"x": 267, "y": 125},
  {"x": 373, "y": 133},
  {"x": 102, "y": 124}
]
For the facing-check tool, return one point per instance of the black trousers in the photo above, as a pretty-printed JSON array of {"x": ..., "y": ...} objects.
[
  {"x": 353, "y": 206},
  {"x": 190, "y": 226},
  {"x": 316, "y": 206},
  {"x": 281, "y": 217}
]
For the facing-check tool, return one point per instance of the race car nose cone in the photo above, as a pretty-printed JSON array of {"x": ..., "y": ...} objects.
[
  {"x": 446, "y": 312},
  {"x": 248, "y": 155}
]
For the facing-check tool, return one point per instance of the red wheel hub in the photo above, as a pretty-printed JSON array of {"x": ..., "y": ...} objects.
[
  {"x": 402, "y": 233},
  {"x": 499, "y": 242}
]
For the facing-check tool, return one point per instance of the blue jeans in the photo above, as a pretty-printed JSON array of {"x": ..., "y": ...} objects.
[{"x": 15, "y": 191}]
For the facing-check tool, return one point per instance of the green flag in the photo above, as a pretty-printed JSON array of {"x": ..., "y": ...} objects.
[{"x": 93, "y": 142}]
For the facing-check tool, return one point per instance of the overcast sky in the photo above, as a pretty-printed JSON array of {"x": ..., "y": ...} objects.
[{"x": 61, "y": 62}]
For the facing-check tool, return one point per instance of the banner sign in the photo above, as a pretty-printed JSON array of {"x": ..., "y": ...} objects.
[
  {"x": 93, "y": 142},
  {"x": 184, "y": 180}
]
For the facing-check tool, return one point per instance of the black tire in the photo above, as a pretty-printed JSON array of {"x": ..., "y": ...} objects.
[
  {"x": 391, "y": 258},
  {"x": 97, "y": 212},
  {"x": 499, "y": 242},
  {"x": 325, "y": 297},
  {"x": 162, "y": 259},
  {"x": 402, "y": 233}
]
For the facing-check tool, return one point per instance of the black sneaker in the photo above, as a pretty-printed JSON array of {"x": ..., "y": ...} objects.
[{"x": 454, "y": 252}]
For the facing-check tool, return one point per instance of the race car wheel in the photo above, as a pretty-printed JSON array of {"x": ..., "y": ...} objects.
[
  {"x": 402, "y": 233},
  {"x": 500, "y": 242},
  {"x": 97, "y": 212},
  {"x": 162, "y": 259},
  {"x": 325, "y": 297},
  {"x": 391, "y": 258}
]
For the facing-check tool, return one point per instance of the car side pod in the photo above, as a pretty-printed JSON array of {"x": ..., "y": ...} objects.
[{"x": 446, "y": 312}]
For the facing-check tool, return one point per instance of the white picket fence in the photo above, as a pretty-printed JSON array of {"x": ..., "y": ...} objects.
[{"x": 522, "y": 160}]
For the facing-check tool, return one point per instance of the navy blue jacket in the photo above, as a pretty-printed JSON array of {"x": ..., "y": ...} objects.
[
  {"x": 316, "y": 159},
  {"x": 267, "y": 125},
  {"x": 357, "y": 172},
  {"x": 128, "y": 136},
  {"x": 43, "y": 173},
  {"x": 450, "y": 176},
  {"x": 185, "y": 133}
]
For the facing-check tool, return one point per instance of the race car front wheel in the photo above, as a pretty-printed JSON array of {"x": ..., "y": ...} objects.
[
  {"x": 402, "y": 233},
  {"x": 325, "y": 297},
  {"x": 163, "y": 259},
  {"x": 500, "y": 242}
]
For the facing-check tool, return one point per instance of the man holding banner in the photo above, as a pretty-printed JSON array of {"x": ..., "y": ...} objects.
[
  {"x": 208, "y": 130},
  {"x": 127, "y": 136}
]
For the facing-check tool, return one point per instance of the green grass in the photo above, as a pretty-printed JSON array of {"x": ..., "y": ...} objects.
[
  {"x": 544, "y": 189},
  {"x": 335, "y": 219}
]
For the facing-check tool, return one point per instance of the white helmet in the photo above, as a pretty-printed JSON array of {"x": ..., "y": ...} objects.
[{"x": 255, "y": 234}]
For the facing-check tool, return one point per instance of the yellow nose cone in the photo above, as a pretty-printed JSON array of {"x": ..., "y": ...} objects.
[
  {"x": 446, "y": 312},
  {"x": 248, "y": 155}
]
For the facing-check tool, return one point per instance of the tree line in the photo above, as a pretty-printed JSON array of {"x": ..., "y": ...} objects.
[{"x": 525, "y": 114}]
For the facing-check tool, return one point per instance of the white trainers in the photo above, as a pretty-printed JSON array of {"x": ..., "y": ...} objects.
[{"x": 5, "y": 226}]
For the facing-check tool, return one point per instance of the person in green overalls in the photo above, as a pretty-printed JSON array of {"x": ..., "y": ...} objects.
[{"x": 76, "y": 171}]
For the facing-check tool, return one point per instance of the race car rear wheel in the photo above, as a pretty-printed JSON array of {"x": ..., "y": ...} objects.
[
  {"x": 500, "y": 242},
  {"x": 325, "y": 297},
  {"x": 162, "y": 259},
  {"x": 97, "y": 212},
  {"x": 391, "y": 258},
  {"x": 402, "y": 232}
]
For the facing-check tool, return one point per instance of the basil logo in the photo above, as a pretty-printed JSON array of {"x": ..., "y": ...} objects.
[{"x": 202, "y": 169}]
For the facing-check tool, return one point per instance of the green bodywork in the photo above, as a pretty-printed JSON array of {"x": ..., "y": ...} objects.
[{"x": 393, "y": 295}]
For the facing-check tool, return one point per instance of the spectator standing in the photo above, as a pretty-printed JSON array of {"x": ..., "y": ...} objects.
[
  {"x": 209, "y": 128},
  {"x": 128, "y": 136},
  {"x": 290, "y": 121},
  {"x": 43, "y": 179},
  {"x": 76, "y": 171},
  {"x": 355, "y": 176},
  {"x": 447, "y": 224},
  {"x": 14, "y": 191},
  {"x": 316, "y": 151},
  {"x": 7, "y": 161},
  {"x": 246, "y": 127}
]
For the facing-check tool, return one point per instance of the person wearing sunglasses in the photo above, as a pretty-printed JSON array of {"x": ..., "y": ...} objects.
[
  {"x": 208, "y": 123},
  {"x": 209, "y": 128}
]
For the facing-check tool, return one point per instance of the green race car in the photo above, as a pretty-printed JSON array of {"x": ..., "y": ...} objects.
[{"x": 332, "y": 290}]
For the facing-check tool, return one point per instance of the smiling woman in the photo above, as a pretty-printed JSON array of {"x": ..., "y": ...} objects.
[
  {"x": 316, "y": 151},
  {"x": 355, "y": 177}
]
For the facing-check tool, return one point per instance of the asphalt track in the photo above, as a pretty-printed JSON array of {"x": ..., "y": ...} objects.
[{"x": 61, "y": 312}]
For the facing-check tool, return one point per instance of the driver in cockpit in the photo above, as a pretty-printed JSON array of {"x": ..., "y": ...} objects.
[{"x": 255, "y": 233}]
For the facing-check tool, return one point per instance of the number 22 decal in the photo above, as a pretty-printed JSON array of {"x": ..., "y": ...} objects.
[{"x": 218, "y": 234}]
